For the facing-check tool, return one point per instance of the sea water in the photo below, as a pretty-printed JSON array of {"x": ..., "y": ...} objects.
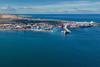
[{"x": 80, "y": 48}]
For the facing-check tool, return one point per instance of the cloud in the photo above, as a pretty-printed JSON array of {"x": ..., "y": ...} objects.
[
  {"x": 60, "y": 7},
  {"x": 8, "y": 8}
]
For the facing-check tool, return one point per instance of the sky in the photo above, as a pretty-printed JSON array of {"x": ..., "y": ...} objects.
[{"x": 50, "y": 6}]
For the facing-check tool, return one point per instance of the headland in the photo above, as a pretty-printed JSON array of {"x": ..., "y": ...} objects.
[{"x": 16, "y": 22}]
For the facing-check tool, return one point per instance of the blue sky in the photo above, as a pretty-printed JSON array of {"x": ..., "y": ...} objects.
[{"x": 49, "y": 6}]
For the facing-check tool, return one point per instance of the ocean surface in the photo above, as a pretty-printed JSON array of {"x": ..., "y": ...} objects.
[
  {"x": 80, "y": 48},
  {"x": 69, "y": 17}
]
